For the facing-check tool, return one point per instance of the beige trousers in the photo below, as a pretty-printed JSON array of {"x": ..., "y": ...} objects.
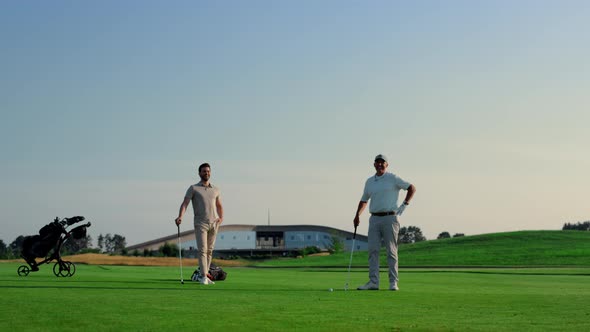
[
  {"x": 205, "y": 233},
  {"x": 386, "y": 228}
]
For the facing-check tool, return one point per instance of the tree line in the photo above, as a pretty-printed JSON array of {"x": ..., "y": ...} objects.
[
  {"x": 579, "y": 226},
  {"x": 413, "y": 234}
]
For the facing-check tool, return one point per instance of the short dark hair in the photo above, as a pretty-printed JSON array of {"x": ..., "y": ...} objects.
[{"x": 203, "y": 166}]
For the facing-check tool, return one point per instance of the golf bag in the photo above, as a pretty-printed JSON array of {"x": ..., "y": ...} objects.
[
  {"x": 48, "y": 244},
  {"x": 215, "y": 273}
]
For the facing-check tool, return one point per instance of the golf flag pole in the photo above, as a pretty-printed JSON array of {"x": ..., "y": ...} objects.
[{"x": 180, "y": 254}]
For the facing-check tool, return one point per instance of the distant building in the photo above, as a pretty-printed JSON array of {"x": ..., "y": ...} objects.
[{"x": 249, "y": 240}]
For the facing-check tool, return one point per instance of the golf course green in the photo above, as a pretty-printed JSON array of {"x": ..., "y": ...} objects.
[{"x": 296, "y": 296}]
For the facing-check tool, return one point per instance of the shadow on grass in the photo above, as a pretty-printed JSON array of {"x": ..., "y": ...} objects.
[
  {"x": 189, "y": 286},
  {"x": 516, "y": 271},
  {"x": 508, "y": 273}
]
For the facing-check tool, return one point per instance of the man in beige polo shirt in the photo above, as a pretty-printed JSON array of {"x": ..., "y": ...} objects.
[
  {"x": 383, "y": 191},
  {"x": 206, "y": 200}
]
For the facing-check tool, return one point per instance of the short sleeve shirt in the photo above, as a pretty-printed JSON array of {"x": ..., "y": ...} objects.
[
  {"x": 383, "y": 191},
  {"x": 203, "y": 199}
]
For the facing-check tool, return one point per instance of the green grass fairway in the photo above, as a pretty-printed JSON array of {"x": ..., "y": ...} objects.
[
  {"x": 127, "y": 298},
  {"x": 524, "y": 248}
]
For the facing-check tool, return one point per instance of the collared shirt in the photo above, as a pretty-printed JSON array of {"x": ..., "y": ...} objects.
[
  {"x": 203, "y": 199},
  {"x": 383, "y": 191}
]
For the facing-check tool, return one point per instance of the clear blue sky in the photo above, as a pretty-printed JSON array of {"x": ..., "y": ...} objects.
[{"x": 108, "y": 107}]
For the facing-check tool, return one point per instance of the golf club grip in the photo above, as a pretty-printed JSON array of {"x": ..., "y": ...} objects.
[{"x": 354, "y": 235}]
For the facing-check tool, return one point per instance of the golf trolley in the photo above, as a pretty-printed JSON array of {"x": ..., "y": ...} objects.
[{"x": 48, "y": 244}]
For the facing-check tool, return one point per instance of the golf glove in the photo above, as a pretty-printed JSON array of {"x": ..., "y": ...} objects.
[{"x": 400, "y": 210}]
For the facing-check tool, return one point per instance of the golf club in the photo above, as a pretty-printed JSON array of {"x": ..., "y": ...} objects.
[
  {"x": 180, "y": 255},
  {"x": 350, "y": 263}
]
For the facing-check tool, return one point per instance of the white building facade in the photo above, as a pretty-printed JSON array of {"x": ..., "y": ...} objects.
[{"x": 253, "y": 239}]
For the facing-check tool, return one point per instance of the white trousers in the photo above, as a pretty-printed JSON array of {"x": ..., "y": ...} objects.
[{"x": 384, "y": 228}]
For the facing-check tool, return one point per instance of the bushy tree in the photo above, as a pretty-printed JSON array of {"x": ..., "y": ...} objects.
[
  {"x": 168, "y": 250},
  {"x": 443, "y": 235},
  {"x": 336, "y": 245},
  {"x": 112, "y": 243},
  {"x": 73, "y": 246},
  {"x": 119, "y": 243},
  {"x": 15, "y": 246},
  {"x": 410, "y": 234},
  {"x": 3, "y": 250},
  {"x": 108, "y": 243},
  {"x": 458, "y": 235},
  {"x": 100, "y": 243},
  {"x": 310, "y": 250}
]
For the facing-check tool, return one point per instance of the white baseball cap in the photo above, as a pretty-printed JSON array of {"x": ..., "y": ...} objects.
[{"x": 382, "y": 157}]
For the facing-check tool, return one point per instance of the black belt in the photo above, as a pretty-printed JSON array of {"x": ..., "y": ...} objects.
[{"x": 383, "y": 214}]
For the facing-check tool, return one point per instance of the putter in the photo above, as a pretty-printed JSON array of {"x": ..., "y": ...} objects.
[
  {"x": 180, "y": 255},
  {"x": 350, "y": 263}
]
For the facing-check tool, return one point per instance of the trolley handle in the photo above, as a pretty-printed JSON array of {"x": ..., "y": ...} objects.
[{"x": 74, "y": 220}]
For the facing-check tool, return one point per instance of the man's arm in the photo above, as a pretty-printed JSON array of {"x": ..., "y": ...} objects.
[
  {"x": 359, "y": 210},
  {"x": 409, "y": 194},
  {"x": 219, "y": 207},
  {"x": 182, "y": 210}
]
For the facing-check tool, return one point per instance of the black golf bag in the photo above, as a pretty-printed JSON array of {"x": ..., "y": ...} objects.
[
  {"x": 48, "y": 244},
  {"x": 216, "y": 273}
]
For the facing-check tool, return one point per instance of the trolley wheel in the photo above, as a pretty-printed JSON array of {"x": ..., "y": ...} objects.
[
  {"x": 23, "y": 270},
  {"x": 71, "y": 269},
  {"x": 63, "y": 269},
  {"x": 56, "y": 269}
]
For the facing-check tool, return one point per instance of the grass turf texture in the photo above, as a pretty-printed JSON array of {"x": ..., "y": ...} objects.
[
  {"x": 293, "y": 295},
  {"x": 132, "y": 298}
]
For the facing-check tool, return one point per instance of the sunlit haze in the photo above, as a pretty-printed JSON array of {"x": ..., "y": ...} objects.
[{"x": 108, "y": 108}]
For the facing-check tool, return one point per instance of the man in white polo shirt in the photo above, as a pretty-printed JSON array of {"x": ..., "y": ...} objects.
[
  {"x": 383, "y": 191},
  {"x": 206, "y": 200}
]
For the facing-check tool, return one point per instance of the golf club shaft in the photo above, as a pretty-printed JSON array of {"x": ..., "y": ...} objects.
[
  {"x": 351, "y": 251},
  {"x": 180, "y": 253},
  {"x": 350, "y": 262}
]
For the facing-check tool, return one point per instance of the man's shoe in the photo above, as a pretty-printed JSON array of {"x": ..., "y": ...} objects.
[
  {"x": 205, "y": 281},
  {"x": 369, "y": 286},
  {"x": 393, "y": 286}
]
